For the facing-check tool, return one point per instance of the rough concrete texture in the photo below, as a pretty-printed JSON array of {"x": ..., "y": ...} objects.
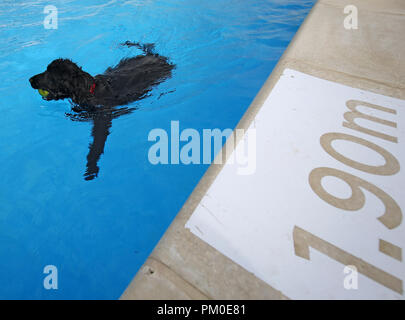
[
  {"x": 155, "y": 276},
  {"x": 369, "y": 58}
]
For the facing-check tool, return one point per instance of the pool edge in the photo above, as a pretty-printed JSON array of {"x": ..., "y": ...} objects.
[{"x": 184, "y": 267}]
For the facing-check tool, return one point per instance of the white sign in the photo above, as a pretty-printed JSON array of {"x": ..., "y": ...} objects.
[{"x": 321, "y": 218}]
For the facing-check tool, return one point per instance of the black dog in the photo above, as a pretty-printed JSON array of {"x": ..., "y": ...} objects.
[{"x": 96, "y": 98}]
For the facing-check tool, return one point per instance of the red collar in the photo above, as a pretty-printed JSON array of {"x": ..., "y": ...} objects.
[{"x": 92, "y": 88}]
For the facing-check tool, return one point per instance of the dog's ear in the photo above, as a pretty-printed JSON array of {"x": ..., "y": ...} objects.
[
  {"x": 79, "y": 85},
  {"x": 70, "y": 80}
]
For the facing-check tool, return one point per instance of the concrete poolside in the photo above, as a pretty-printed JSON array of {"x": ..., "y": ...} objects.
[{"x": 183, "y": 266}]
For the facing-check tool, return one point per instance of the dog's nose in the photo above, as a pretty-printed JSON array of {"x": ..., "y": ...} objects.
[{"x": 32, "y": 82}]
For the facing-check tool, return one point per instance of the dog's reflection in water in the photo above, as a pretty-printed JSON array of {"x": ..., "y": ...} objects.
[
  {"x": 101, "y": 98},
  {"x": 102, "y": 122}
]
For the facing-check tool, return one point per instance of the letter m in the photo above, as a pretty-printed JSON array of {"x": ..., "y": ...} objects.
[{"x": 351, "y": 115}]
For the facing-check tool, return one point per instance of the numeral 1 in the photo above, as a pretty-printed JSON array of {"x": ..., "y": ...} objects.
[{"x": 303, "y": 240}]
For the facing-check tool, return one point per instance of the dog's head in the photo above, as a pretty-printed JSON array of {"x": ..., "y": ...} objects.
[{"x": 62, "y": 79}]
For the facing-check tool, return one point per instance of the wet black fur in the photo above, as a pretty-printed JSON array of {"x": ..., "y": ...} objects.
[{"x": 130, "y": 80}]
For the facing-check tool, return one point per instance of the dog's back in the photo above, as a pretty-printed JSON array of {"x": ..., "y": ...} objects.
[{"x": 134, "y": 77}]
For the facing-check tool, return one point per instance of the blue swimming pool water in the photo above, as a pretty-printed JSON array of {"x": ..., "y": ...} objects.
[{"x": 98, "y": 233}]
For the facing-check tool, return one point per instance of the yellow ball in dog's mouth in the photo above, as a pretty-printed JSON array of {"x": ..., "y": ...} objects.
[{"x": 43, "y": 93}]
